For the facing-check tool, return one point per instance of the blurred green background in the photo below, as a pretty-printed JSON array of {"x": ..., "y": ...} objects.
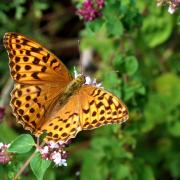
[{"x": 135, "y": 53}]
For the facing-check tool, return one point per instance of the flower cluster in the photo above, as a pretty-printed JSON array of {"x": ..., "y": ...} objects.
[
  {"x": 90, "y": 9},
  {"x": 54, "y": 152},
  {"x": 5, "y": 157},
  {"x": 171, "y": 3},
  {"x": 92, "y": 82}
]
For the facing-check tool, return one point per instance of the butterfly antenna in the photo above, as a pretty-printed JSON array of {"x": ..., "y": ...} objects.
[{"x": 81, "y": 63}]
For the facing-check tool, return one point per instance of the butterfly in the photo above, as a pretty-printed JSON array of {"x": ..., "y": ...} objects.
[{"x": 46, "y": 98}]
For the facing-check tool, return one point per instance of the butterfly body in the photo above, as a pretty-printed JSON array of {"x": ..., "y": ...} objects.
[
  {"x": 47, "y": 98},
  {"x": 71, "y": 89}
]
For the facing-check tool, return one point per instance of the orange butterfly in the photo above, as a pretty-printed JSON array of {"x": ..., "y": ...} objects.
[{"x": 47, "y": 98}]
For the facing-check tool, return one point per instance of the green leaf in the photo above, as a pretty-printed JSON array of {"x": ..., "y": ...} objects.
[
  {"x": 7, "y": 134},
  {"x": 174, "y": 165},
  {"x": 39, "y": 166},
  {"x": 22, "y": 144},
  {"x": 131, "y": 65},
  {"x": 39, "y": 7},
  {"x": 169, "y": 85},
  {"x": 132, "y": 88},
  {"x": 118, "y": 62},
  {"x": 156, "y": 29},
  {"x": 174, "y": 129},
  {"x": 3, "y": 17},
  {"x": 121, "y": 172},
  {"x": 112, "y": 83},
  {"x": 163, "y": 102},
  {"x": 19, "y": 12},
  {"x": 115, "y": 28},
  {"x": 92, "y": 164},
  {"x": 147, "y": 173}
]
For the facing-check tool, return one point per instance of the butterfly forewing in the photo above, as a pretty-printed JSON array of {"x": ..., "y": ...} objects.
[
  {"x": 40, "y": 78},
  {"x": 31, "y": 63}
]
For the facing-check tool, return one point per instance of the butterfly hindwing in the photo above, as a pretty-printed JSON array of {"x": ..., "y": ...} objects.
[
  {"x": 100, "y": 107},
  {"x": 30, "y": 104},
  {"x": 90, "y": 108},
  {"x": 64, "y": 123},
  {"x": 25, "y": 106}
]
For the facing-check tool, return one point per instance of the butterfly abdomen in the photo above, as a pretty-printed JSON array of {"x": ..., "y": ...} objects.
[{"x": 71, "y": 89}]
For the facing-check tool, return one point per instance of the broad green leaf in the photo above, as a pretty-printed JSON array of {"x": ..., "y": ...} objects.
[
  {"x": 168, "y": 85},
  {"x": 112, "y": 82},
  {"x": 174, "y": 129},
  {"x": 39, "y": 7},
  {"x": 39, "y": 166},
  {"x": 19, "y": 12},
  {"x": 131, "y": 65},
  {"x": 121, "y": 171},
  {"x": 118, "y": 62},
  {"x": 147, "y": 173},
  {"x": 156, "y": 29},
  {"x": 115, "y": 28},
  {"x": 174, "y": 165},
  {"x": 22, "y": 144},
  {"x": 7, "y": 134},
  {"x": 93, "y": 164},
  {"x": 132, "y": 88},
  {"x": 162, "y": 102}
]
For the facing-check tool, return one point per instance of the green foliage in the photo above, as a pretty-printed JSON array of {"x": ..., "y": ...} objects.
[
  {"x": 163, "y": 102},
  {"x": 102, "y": 159},
  {"x": 157, "y": 27},
  {"x": 131, "y": 65},
  {"x": 39, "y": 166},
  {"x": 136, "y": 46},
  {"x": 22, "y": 144}
]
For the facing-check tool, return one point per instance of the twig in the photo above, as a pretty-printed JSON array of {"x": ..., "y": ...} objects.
[
  {"x": 28, "y": 160},
  {"x": 24, "y": 166},
  {"x": 5, "y": 92}
]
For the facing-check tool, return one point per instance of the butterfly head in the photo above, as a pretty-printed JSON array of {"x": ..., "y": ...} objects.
[
  {"x": 80, "y": 79},
  {"x": 86, "y": 79}
]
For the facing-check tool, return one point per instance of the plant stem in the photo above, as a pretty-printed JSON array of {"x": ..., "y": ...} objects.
[
  {"x": 24, "y": 166},
  {"x": 28, "y": 160},
  {"x": 5, "y": 92}
]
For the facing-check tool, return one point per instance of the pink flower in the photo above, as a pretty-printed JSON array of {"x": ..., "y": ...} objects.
[
  {"x": 100, "y": 3},
  {"x": 172, "y": 4},
  {"x": 171, "y": 9},
  {"x": 52, "y": 145},
  {"x": 5, "y": 157},
  {"x": 55, "y": 152},
  {"x": 176, "y": 1},
  {"x": 90, "y": 9}
]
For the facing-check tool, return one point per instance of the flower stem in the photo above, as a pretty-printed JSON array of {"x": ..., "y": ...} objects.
[
  {"x": 24, "y": 166},
  {"x": 28, "y": 160}
]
